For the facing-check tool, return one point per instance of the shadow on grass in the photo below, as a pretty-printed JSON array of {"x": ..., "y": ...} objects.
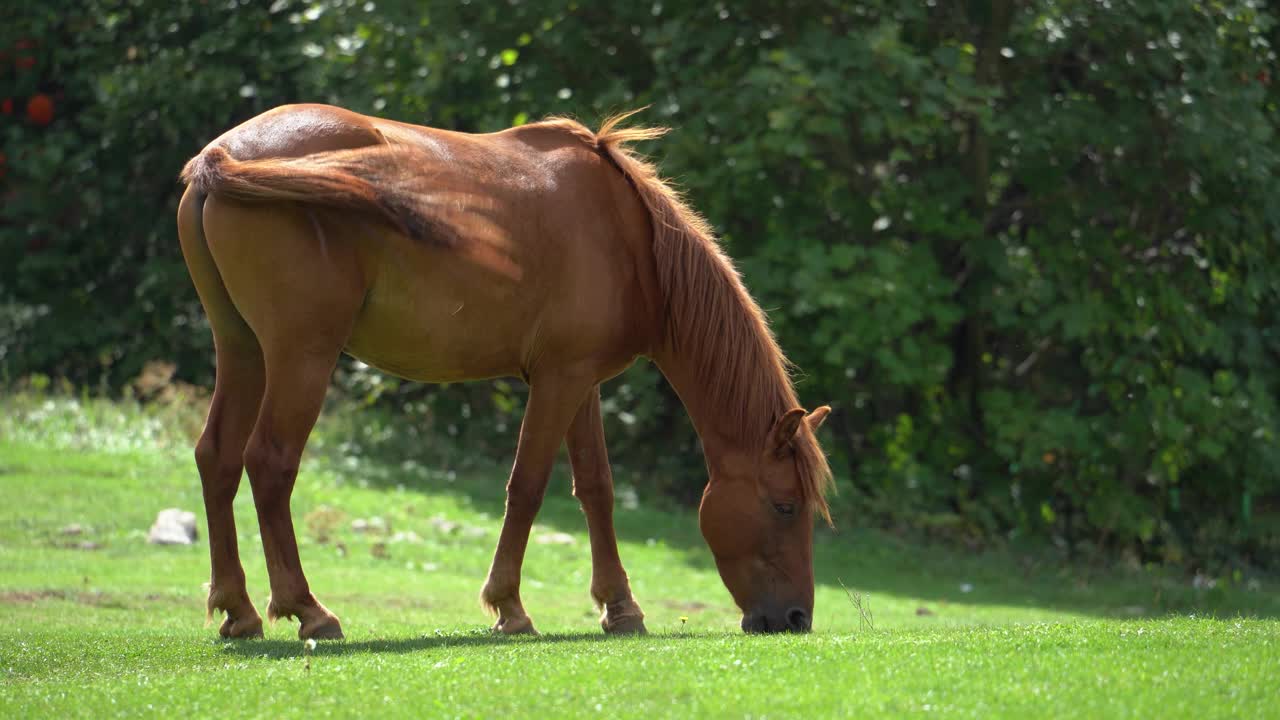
[{"x": 278, "y": 649}]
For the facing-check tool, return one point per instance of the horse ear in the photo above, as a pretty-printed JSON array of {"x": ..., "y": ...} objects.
[
  {"x": 817, "y": 417},
  {"x": 785, "y": 429}
]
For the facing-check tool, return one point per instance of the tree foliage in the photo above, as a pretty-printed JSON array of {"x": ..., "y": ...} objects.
[{"x": 1027, "y": 249}]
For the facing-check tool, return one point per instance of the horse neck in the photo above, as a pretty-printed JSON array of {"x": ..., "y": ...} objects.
[{"x": 719, "y": 431}]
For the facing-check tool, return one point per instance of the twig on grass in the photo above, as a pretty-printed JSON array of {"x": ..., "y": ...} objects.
[{"x": 861, "y": 602}]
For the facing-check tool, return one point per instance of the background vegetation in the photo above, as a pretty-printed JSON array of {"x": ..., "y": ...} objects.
[{"x": 1027, "y": 250}]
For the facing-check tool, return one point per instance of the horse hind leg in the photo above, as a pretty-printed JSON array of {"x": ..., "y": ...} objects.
[
  {"x": 296, "y": 385},
  {"x": 300, "y": 292},
  {"x": 219, "y": 452},
  {"x": 237, "y": 393}
]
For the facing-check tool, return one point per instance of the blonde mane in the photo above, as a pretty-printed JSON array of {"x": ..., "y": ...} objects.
[{"x": 708, "y": 310}]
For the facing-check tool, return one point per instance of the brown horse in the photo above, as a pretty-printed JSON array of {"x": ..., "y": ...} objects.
[{"x": 547, "y": 252}]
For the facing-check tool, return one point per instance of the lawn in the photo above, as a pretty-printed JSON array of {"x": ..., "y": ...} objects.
[{"x": 95, "y": 622}]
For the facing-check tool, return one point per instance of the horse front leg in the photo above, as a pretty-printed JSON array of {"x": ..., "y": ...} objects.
[
  {"x": 553, "y": 399},
  {"x": 593, "y": 486}
]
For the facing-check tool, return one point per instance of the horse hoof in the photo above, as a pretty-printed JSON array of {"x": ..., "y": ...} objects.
[
  {"x": 515, "y": 626},
  {"x": 246, "y": 628},
  {"x": 625, "y": 625},
  {"x": 324, "y": 629}
]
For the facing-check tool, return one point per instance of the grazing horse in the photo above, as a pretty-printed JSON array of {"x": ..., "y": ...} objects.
[{"x": 545, "y": 251}]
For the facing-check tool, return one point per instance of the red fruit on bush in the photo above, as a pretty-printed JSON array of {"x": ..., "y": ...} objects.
[
  {"x": 6, "y": 106},
  {"x": 40, "y": 109},
  {"x": 24, "y": 60}
]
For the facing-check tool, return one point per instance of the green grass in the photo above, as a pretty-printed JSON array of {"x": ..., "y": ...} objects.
[{"x": 102, "y": 624}]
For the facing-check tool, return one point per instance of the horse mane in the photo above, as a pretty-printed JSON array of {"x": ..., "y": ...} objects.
[{"x": 708, "y": 309}]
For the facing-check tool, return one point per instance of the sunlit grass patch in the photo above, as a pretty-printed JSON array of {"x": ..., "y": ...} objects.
[{"x": 116, "y": 628}]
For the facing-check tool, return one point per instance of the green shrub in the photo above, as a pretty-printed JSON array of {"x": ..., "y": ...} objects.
[{"x": 1026, "y": 250}]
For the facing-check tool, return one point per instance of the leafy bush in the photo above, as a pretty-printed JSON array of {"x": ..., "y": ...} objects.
[{"x": 1026, "y": 249}]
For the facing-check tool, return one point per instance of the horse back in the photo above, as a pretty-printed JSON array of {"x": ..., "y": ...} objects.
[
  {"x": 292, "y": 131},
  {"x": 583, "y": 289}
]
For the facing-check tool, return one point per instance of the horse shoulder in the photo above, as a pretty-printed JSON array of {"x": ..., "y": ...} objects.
[{"x": 605, "y": 299}]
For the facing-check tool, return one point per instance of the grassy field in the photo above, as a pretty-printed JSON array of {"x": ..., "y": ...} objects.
[{"x": 95, "y": 622}]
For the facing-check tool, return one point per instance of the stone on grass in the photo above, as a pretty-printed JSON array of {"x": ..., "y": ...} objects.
[
  {"x": 556, "y": 538},
  {"x": 173, "y": 527},
  {"x": 445, "y": 526},
  {"x": 374, "y": 525}
]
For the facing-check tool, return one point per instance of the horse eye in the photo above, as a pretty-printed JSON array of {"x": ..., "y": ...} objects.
[{"x": 785, "y": 508}]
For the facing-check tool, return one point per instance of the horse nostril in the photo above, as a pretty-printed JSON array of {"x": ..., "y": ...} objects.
[{"x": 798, "y": 620}]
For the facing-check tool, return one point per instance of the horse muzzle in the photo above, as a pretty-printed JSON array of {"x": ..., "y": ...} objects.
[{"x": 794, "y": 620}]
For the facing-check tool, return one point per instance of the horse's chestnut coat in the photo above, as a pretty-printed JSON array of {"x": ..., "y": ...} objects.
[{"x": 546, "y": 252}]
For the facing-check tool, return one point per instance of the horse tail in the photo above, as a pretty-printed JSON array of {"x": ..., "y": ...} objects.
[
  {"x": 381, "y": 181},
  {"x": 344, "y": 179}
]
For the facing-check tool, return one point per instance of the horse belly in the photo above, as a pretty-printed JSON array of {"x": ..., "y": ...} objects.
[{"x": 439, "y": 321}]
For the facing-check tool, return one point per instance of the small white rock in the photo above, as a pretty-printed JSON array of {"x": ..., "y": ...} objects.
[
  {"x": 173, "y": 527},
  {"x": 443, "y": 525},
  {"x": 556, "y": 538}
]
